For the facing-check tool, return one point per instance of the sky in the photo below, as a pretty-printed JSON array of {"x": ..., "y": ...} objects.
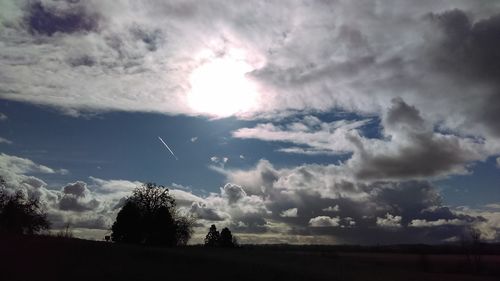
[{"x": 318, "y": 122}]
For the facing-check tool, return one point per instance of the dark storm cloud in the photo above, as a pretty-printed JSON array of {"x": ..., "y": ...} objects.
[
  {"x": 427, "y": 156},
  {"x": 402, "y": 114},
  {"x": 389, "y": 211},
  {"x": 47, "y": 20},
  {"x": 470, "y": 49},
  {"x": 417, "y": 151},
  {"x": 327, "y": 202}
]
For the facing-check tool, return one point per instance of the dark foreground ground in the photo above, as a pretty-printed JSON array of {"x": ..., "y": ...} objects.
[{"x": 48, "y": 258}]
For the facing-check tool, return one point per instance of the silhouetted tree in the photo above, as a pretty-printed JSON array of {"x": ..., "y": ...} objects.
[
  {"x": 184, "y": 229},
  {"x": 66, "y": 232},
  {"x": 475, "y": 235},
  {"x": 472, "y": 247},
  {"x": 150, "y": 216},
  {"x": 20, "y": 214},
  {"x": 223, "y": 239},
  {"x": 127, "y": 227},
  {"x": 226, "y": 238},
  {"x": 213, "y": 236}
]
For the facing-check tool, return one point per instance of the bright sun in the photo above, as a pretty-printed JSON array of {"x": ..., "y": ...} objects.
[{"x": 220, "y": 87}]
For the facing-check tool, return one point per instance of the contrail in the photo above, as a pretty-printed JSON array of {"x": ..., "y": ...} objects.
[{"x": 168, "y": 148}]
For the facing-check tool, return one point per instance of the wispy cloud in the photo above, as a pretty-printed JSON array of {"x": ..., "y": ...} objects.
[{"x": 4, "y": 140}]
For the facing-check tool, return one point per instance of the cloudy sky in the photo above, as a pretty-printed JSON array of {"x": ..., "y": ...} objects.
[{"x": 293, "y": 121}]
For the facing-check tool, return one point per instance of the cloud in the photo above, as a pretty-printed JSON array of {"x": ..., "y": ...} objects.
[
  {"x": 123, "y": 48},
  {"x": 3, "y": 117},
  {"x": 71, "y": 203},
  {"x": 77, "y": 189},
  {"x": 6, "y": 141},
  {"x": 374, "y": 212},
  {"x": 49, "y": 19},
  {"x": 413, "y": 149},
  {"x": 17, "y": 165},
  {"x": 468, "y": 50},
  {"x": 409, "y": 147},
  {"x": 201, "y": 211},
  {"x": 493, "y": 206},
  {"x": 193, "y": 139},
  {"x": 290, "y": 213},
  {"x": 440, "y": 222},
  {"x": 389, "y": 221},
  {"x": 317, "y": 137},
  {"x": 219, "y": 161},
  {"x": 429, "y": 90},
  {"x": 335, "y": 208},
  {"x": 265, "y": 201},
  {"x": 324, "y": 221},
  {"x": 233, "y": 192}
]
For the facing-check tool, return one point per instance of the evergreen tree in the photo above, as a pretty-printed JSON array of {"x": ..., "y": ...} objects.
[
  {"x": 226, "y": 238},
  {"x": 212, "y": 238}
]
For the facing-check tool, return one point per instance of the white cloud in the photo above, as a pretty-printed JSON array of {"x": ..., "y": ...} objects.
[
  {"x": 324, "y": 221},
  {"x": 335, "y": 208},
  {"x": 290, "y": 213},
  {"x": 493, "y": 206},
  {"x": 317, "y": 137},
  {"x": 134, "y": 66},
  {"x": 390, "y": 221},
  {"x": 219, "y": 161},
  {"x": 439, "y": 222},
  {"x": 10, "y": 166},
  {"x": 194, "y": 139}
]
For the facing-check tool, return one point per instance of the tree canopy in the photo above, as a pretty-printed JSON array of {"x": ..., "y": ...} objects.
[
  {"x": 20, "y": 214},
  {"x": 150, "y": 217}
]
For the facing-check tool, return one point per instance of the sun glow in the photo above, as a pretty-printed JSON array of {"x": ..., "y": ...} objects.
[{"x": 220, "y": 87}]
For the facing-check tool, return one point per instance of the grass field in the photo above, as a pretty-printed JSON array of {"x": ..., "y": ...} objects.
[{"x": 49, "y": 258}]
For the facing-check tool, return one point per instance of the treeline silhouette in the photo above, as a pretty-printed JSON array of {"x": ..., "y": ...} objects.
[{"x": 149, "y": 216}]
